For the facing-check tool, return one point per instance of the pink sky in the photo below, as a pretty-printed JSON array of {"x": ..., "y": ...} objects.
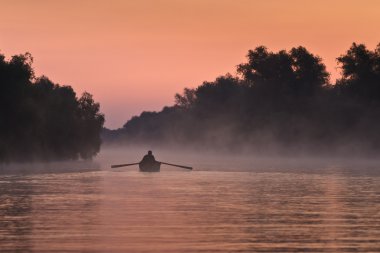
[{"x": 135, "y": 55}]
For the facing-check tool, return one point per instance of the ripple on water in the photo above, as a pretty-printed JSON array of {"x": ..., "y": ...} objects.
[{"x": 190, "y": 212}]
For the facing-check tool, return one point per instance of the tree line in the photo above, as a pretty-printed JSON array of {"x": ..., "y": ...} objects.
[
  {"x": 41, "y": 120},
  {"x": 277, "y": 101}
]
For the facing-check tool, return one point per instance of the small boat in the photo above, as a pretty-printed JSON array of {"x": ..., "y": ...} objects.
[{"x": 150, "y": 166}]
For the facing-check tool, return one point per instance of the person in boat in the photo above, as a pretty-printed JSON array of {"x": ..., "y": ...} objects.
[
  {"x": 148, "y": 158},
  {"x": 149, "y": 163}
]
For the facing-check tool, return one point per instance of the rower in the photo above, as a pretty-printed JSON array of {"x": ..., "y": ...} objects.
[
  {"x": 148, "y": 158},
  {"x": 149, "y": 163}
]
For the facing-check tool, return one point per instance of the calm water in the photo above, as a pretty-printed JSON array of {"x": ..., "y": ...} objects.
[{"x": 330, "y": 210}]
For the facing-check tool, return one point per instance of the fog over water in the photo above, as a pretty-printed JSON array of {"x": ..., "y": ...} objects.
[
  {"x": 204, "y": 160},
  {"x": 240, "y": 203},
  {"x": 212, "y": 160}
]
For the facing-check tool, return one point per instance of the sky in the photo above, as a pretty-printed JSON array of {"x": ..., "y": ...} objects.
[{"x": 133, "y": 56}]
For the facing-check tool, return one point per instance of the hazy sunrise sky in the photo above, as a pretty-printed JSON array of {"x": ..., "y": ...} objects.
[{"x": 135, "y": 55}]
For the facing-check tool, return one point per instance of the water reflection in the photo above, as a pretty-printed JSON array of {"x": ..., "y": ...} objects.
[
  {"x": 245, "y": 212},
  {"x": 15, "y": 209},
  {"x": 201, "y": 211},
  {"x": 41, "y": 212}
]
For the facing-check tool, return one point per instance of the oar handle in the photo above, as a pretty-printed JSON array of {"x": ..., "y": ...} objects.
[
  {"x": 123, "y": 165},
  {"x": 176, "y": 165}
]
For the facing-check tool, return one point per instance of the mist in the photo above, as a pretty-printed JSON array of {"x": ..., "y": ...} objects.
[
  {"x": 279, "y": 103},
  {"x": 280, "y": 106},
  {"x": 212, "y": 161}
]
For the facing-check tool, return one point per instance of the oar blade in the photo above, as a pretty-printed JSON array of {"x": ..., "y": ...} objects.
[
  {"x": 116, "y": 166},
  {"x": 185, "y": 167}
]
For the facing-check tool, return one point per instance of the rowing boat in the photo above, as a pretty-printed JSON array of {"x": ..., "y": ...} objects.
[{"x": 150, "y": 166}]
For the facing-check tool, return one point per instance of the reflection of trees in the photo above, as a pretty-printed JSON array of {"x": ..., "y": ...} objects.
[{"x": 15, "y": 211}]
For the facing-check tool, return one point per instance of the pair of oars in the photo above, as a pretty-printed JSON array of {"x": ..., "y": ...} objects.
[{"x": 129, "y": 164}]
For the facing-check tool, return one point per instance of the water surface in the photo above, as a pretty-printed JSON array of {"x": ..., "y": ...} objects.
[{"x": 327, "y": 210}]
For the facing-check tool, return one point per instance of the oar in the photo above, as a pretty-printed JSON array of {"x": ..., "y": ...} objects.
[
  {"x": 176, "y": 165},
  {"x": 123, "y": 165}
]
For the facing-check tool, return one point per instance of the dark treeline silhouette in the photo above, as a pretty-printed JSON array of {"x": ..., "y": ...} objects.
[
  {"x": 40, "y": 120},
  {"x": 279, "y": 101}
]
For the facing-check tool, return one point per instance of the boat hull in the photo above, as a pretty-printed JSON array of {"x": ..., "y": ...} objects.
[{"x": 150, "y": 167}]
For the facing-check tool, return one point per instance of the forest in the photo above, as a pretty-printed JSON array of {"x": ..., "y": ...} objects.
[
  {"x": 41, "y": 120},
  {"x": 279, "y": 101}
]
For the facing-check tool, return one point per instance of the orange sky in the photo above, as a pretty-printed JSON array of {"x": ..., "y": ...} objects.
[{"x": 135, "y": 55}]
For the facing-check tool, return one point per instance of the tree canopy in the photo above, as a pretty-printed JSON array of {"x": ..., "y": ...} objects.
[
  {"x": 277, "y": 101},
  {"x": 361, "y": 72},
  {"x": 41, "y": 120}
]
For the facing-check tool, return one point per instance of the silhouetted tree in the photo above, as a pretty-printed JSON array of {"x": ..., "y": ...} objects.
[
  {"x": 90, "y": 125},
  {"x": 361, "y": 72},
  {"x": 296, "y": 73},
  {"x": 279, "y": 100},
  {"x": 40, "y": 120},
  {"x": 186, "y": 100}
]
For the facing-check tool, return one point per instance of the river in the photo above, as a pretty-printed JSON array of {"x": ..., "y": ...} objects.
[{"x": 323, "y": 210}]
